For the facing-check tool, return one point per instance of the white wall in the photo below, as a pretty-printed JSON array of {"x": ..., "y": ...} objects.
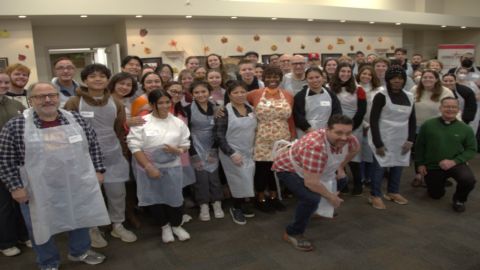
[{"x": 19, "y": 40}]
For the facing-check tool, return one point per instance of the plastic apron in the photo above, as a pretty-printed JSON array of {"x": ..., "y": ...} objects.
[
  {"x": 367, "y": 155},
  {"x": 240, "y": 136},
  {"x": 318, "y": 109},
  {"x": 201, "y": 130},
  {"x": 393, "y": 125},
  {"x": 349, "y": 108},
  {"x": 188, "y": 172},
  {"x": 102, "y": 119},
  {"x": 64, "y": 193}
]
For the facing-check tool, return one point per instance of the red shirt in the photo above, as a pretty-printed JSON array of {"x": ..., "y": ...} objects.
[{"x": 310, "y": 153}]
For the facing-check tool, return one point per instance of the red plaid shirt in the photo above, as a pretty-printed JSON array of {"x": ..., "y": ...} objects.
[{"x": 310, "y": 153}]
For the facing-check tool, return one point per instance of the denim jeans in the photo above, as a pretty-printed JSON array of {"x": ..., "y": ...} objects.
[
  {"x": 394, "y": 175},
  {"x": 47, "y": 253}
]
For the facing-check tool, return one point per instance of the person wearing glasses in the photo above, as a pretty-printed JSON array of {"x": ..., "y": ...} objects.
[
  {"x": 64, "y": 71},
  {"x": 37, "y": 169},
  {"x": 294, "y": 81}
]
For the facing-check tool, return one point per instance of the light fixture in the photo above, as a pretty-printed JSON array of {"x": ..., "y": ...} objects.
[
  {"x": 274, "y": 19},
  {"x": 371, "y": 22},
  {"x": 343, "y": 21},
  {"x": 83, "y": 16},
  {"x": 234, "y": 17},
  {"x": 310, "y": 20},
  {"x": 188, "y": 16},
  {"x": 22, "y": 16},
  {"x": 398, "y": 23},
  {"x": 138, "y": 16},
  {"x": 443, "y": 26},
  {"x": 463, "y": 27}
]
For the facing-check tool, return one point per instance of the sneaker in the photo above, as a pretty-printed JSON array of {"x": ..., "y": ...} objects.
[
  {"x": 357, "y": 191},
  {"x": 90, "y": 257},
  {"x": 50, "y": 268},
  {"x": 264, "y": 206},
  {"x": 27, "y": 243},
  {"x": 167, "y": 234},
  {"x": 217, "y": 209},
  {"x": 247, "y": 212},
  {"x": 458, "y": 207},
  {"x": 125, "y": 235},
  {"x": 185, "y": 219},
  {"x": 377, "y": 202},
  {"x": 448, "y": 183},
  {"x": 367, "y": 182},
  {"x": 204, "y": 212},
  {"x": 237, "y": 216},
  {"x": 96, "y": 238},
  {"x": 277, "y": 204},
  {"x": 395, "y": 197},
  {"x": 11, "y": 251},
  {"x": 181, "y": 233},
  {"x": 299, "y": 242}
]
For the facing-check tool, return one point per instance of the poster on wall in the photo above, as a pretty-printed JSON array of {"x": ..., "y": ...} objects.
[{"x": 449, "y": 54}]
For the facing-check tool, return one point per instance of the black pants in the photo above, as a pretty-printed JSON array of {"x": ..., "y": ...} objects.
[
  {"x": 165, "y": 214},
  {"x": 461, "y": 173},
  {"x": 264, "y": 177},
  {"x": 356, "y": 174},
  {"x": 12, "y": 226}
]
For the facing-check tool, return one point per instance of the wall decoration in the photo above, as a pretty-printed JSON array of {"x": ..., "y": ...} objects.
[
  {"x": 239, "y": 49},
  {"x": 340, "y": 41},
  {"x": 224, "y": 40},
  {"x": 3, "y": 62},
  {"x": 4, "y": 34},
  {"x": 380, "y": 39},
  {"x": 352, "y": 48},
  {"x": 317, "y": 40},
  {"x": 141, "y": 42},
  {"x": 392, "y": 47},
  {"x": 330, "y": 47},
  {"x": 369, "y": 47},
  {"x": 22, "y": 57},
  {"x": 256, "y": 37},
  {"x": 302, "y": 46},
  {"x": 27, "y": 46},
  {"x": 360, "y": 39},
  {"x": 143, "y": 32},
  {"x": 289, "y": 39},
  {"x": 274, "y": 47},
  {"x": 147, "y": 50},
  {"x": 133, "y": 44},
  {"x": 173, "y": 43},
  {"x": 206, "y": 49}
]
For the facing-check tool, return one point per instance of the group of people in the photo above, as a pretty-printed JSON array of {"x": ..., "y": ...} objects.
[{"x": 78, "y": 155}]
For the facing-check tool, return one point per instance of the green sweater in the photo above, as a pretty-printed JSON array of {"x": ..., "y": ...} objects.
[
  {"x": 438, "y": 140},
  {"x": 8, "y": 109}
]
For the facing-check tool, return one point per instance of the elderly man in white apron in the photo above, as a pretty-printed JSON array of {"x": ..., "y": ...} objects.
[
  {"x": 51, "y": 163},
  {"x": 308, "y": 170}
]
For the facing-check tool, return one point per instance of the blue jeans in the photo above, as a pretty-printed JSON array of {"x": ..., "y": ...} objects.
[
  {"x": 47, "y": 253},
  {"x": 394, "y": 175},
  {"x": 307, "y": 200}
]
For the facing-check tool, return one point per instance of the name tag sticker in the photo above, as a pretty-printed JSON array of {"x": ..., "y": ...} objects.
[
  {"x": 251, "y": 115},
  {"x": 150, "y": 133},
  {"x": 75, "y": 138},
  {"x": 87, "y": 114},
  {"x": 324, "y": 103}
]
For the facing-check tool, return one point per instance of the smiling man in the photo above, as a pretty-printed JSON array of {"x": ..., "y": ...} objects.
[
  {"x": 19, "y": 75},
  {"x": 309, "y": 169},
  {"x": 64, "y": 70}
]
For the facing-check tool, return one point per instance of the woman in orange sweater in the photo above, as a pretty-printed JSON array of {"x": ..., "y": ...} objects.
[
  {"x": 273, "y": 108},
  {"x": 150, "y": 81}
]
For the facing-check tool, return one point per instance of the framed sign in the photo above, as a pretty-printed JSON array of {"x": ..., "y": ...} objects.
[{"x": 3, "y": 62}]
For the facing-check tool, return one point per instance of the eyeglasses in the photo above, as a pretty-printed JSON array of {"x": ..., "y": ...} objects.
[
  {"x": 176, "y": 93},
  {"x": 68, "y": 68},
  {"x": 44, "y": 97},
  {"x": 298, "y": 63}
]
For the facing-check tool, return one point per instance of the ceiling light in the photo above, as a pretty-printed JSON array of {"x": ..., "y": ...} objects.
[
  {"x": 342, "y": 21},
  {"x": 371, "y": 22},
  {"x": 274, "y": 19},
  {"x": 138, "y": 16},
  {"x": 443, "y": 26},
  {"x": 188, "y": 16},
  {"x": 83, "y": 16},
  {"x": 22, "y": 16},
  {"x": 398, "y": 23},
  {"x": 463, "y": 27},
  {"x": 234, "y": 17},
  {"x": 310, "y": 20}
]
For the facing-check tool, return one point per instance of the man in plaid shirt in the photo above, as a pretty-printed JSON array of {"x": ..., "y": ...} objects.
[
  {"x": 316, "y": 156},
  {"x": 44, "y": 98}
]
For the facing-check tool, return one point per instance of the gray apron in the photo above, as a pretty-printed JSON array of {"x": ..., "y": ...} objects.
[
  {"x": 201, "y": 130},
  {"x": 64, "y": 193},
  {"x": 318, "y": 109},
  {"x": 241, "y": 137},
  {"x": 188, "y": 172},
  {"x": 349, "y": 108},
  {"x": 102, "y": 119}
]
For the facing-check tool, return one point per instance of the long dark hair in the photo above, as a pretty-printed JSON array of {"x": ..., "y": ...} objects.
[
  {"x": 154, "y": 96},
  {"x": 337, "y": 84},
  {"x": 120, "y": 77}
]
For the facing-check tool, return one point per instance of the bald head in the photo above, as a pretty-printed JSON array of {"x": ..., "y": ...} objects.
[
  {"x": 297, "y": 63},
  {"x": 284, "y": 61}
]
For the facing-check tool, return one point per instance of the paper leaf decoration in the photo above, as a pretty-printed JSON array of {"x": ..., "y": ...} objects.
[
  {"x": 340, "y": 41},
  {"x": 352, "y": 48},
  {"x": 147, "y": 50},
  {"x": 173, "y": 43},
  {"x": 256, "y": 37},
  {"x": 143, "y": 32},
  {"x": 380, "y": 39},
  {"x": 273, "y": 47},
  {"x": 239, "y": 49},
  {"x": 22, "y": 57},
  {"x": 27, "y": 46},
  {"x": 206, "y": 49},
  {"x": 369, "y": 47},
  {"x": 224, "y": 40},
  {"x": 392, "y": 47},
  {"x": 141, "y": 42},
  {"x": 330, "y": 47},
  {"x": 302, "y": 46},
  {"x": 133, "y": 44},
  {"x": 289, "y": 39},
  {"x": 317, "y": 39},
  {"x": 360, "y": 39}
]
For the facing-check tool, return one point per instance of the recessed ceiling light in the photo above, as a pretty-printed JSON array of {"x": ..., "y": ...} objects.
[
  {"x": 274, "y": 19},
  {"x": 398, "y": 23},
  {"x": 443, "y": 26},
  {"x": 234, "y": 17},
  {"x": 310, "y": 20},
  {"x": 188, "y": 16},
  {"x": 342, "y": 21},
  {"x": 138, "y": 16},
  {"x": 371, "y": 22},
  {"x": 83, "y": 16},
  {"x": 22, "y": 16},
  {"x": 463, "y": 27}
]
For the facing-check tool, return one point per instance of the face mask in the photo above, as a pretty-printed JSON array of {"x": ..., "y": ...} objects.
[
  {"x": 462, "y": 77},
  {"x": 417, "y": 79},
  {"x": 467, "y": 62}
]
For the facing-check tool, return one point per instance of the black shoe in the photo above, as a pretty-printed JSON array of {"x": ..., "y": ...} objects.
[
  {"x": 458, "y": 207},
  {"x": 277, "y": 204},
  {"x": 448, "y": 183},
  {"x": 237, "y": 216},
  {"x": 357, "y": 191},
  {"x": 264, "y": 206},
  {"x": 247, "y": 212}
]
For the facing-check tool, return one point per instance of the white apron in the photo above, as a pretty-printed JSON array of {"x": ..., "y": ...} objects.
[
  {"x": 201, "y": 126},
  {"x": 349, "y": 108},
  {"x": 64, "y": 193},
  {"x": 318, "y": 109},
  {"x": 393, "y": 125},
  {"x": 240, "y": 136},
  {"x": 102, "y": 119},
  {"x": 188, "y": 172},
  {"x": 164, "y": 190}
]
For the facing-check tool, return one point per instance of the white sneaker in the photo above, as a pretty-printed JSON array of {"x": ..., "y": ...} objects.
[
  {"x": 167, "y": 235},
  {"x": 96, "y": 238},
  {"x": 181, "y": 233},
  {"x": 12, "y": 251},
  {"x": 185, "y": 219},
  {"x": 217, "y": 209},
  {"x": 204, "y": 212},
  {"x": 120, "y": 232}
]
